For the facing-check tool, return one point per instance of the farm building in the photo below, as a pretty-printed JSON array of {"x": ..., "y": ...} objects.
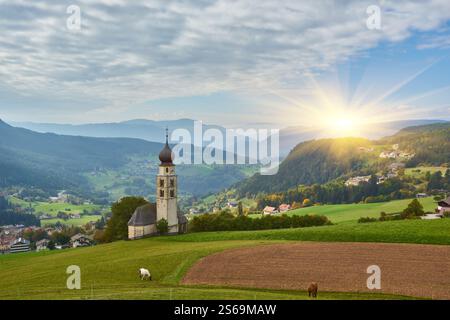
[
  {"x": 144, "y": 220},
  {"x": 269, "y": 210},
  {"x": 232, "y": 204},
  {"x": 42, "y": 245},
  {"x": 80, "y": 240},
  {"x": 444, "y": 205},
  {"x": 20, "y": 245},
  {"x": 284, "y": 207}
]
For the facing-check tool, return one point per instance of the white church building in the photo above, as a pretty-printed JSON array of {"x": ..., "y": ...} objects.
[{"x": 144, "y": 219}]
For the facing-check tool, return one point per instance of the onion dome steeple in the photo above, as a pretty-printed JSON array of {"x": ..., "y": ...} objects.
[{"x": 165, "y": 156}]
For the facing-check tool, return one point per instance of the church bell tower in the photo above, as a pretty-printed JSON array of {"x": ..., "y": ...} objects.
[{"x": 166, "y": 188}]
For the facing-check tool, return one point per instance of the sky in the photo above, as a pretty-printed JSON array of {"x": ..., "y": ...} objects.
[{"x": 234, "y": 63}]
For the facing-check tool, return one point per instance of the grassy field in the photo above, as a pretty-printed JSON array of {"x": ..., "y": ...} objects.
[
  {"x": 110, "y": 271},
  {"x": 401, "y": 231},
  {"x": 420, "y": 172},
  {"x": 52, "y": 209},
  {"x": 343, "y": 213}
]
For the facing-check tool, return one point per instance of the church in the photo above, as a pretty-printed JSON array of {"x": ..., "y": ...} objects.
[{"x": 144, "y": 219}]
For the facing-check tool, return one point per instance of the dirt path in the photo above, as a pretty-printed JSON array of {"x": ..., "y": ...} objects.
[{"x": 413, "y": 270}]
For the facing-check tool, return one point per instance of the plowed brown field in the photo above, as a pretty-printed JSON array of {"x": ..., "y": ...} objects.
[{"x": 412, "y": 270}]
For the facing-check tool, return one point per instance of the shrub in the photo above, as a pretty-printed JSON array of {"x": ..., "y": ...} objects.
[
  {"x": 226, "y": 221},
  {"x": 162, "y": 226},
  {"x": 367, "y": 220},
  {"x": 414, "y": 209}
]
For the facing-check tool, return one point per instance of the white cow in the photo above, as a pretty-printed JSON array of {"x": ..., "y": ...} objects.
[{"x": 144, "y": 273}]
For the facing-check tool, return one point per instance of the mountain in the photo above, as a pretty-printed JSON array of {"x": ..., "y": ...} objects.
[
  {"x": 320, "y": 161},
  {"x": 51, "y": 162},
  {"x": 97, "y": 167},
  {"x": 149, "y": 130},
  {"x": 429, "y": 143},
  {"x": 291, "y": 136}
]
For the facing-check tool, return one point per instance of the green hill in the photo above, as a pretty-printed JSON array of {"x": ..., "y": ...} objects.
[
  {"x": 51, "y": 162},
  {"x": 89, "y": 167},
  {"x": 342, "y": 213},
  {"x": 110, "y": 271},
  {"x": 321, "y": 161}
]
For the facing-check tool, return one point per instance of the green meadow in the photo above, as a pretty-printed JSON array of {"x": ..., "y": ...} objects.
[
  {"x": 420, "y": 172},
  {"x": 53, "y": 209},
  {"x": 343, "y": 213},
  {"x": 109, "y": 271},
  {"x": 400, "y": 231}
]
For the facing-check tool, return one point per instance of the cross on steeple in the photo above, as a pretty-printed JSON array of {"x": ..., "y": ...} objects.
[{"x": 167, "y": 135}]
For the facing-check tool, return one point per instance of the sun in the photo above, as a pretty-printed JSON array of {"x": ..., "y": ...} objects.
[{"x": 344, "y": 123}]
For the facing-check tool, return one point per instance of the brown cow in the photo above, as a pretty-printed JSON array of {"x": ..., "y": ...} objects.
[{"x": 312, "y": 290}]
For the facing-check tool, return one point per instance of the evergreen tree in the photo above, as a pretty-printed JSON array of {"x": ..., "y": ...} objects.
[{"x": 415, "y": 208}]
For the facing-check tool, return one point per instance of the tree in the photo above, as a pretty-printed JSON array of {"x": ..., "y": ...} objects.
[
  {"x": 307, "y": 203},
  {"x": 240, "y": 209},
  {"x": 436, "y": 181},
  {"x": 162, "y": 226},
  {"x": 117, "y": 226},
  {"x": 415, "y": 208}
]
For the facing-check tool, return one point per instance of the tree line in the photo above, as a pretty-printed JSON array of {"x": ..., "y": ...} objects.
[{"x": 9, "y": 215}]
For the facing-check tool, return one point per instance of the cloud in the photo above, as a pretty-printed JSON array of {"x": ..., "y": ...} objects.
[{"x": 127, "y": 52}]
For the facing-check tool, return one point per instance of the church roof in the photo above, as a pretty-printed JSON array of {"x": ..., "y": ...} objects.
[{"x": 143, "y": 216}]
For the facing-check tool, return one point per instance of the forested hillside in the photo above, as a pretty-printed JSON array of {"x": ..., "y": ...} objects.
[
  {"x": 8, "y": 215},
  {"x": 100, "y": 168},
  {"x": 430, "y": 143},
  {"x": 322, "y": 161}
]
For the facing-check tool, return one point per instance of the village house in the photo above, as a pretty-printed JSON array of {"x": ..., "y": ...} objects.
[
  {"x": 232, "y": 204},
  {"x": 20, "y": 245},
  {"x": 42, "y": 245},
  {"x": 389, "y": 155},
  {"x": 443, "y": 206},
  {"x": 194, "y": 211},
  {"x": 356, "y": 181},
  {"x": 81, "y": 240},
  {"x": 269, "y": 210},
  {"x": 284, "y": 207}
]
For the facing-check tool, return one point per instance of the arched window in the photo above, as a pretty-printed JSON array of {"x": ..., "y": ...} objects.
[
  {"x": 172, "y": 193},
  {"x": 161, "y": 193},
  {"x": 161, "y": 183},
  {"x": 167, "y": 170},
  {"x": 172, "y": 183}
]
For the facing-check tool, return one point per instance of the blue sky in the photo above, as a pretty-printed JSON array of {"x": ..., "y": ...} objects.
[{"x": 234, "y": 63}]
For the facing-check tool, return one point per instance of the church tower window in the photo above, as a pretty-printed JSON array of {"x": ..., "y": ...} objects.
[
  {"x": 172, "y": 193},
  {"x": 161, "y": 183},
  {"x": 161, "y": 193}
]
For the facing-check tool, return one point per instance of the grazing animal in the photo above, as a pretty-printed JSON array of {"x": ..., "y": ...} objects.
[
  {"x": 312, "y": 290},
  {"x": 144, "y": 273}
]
